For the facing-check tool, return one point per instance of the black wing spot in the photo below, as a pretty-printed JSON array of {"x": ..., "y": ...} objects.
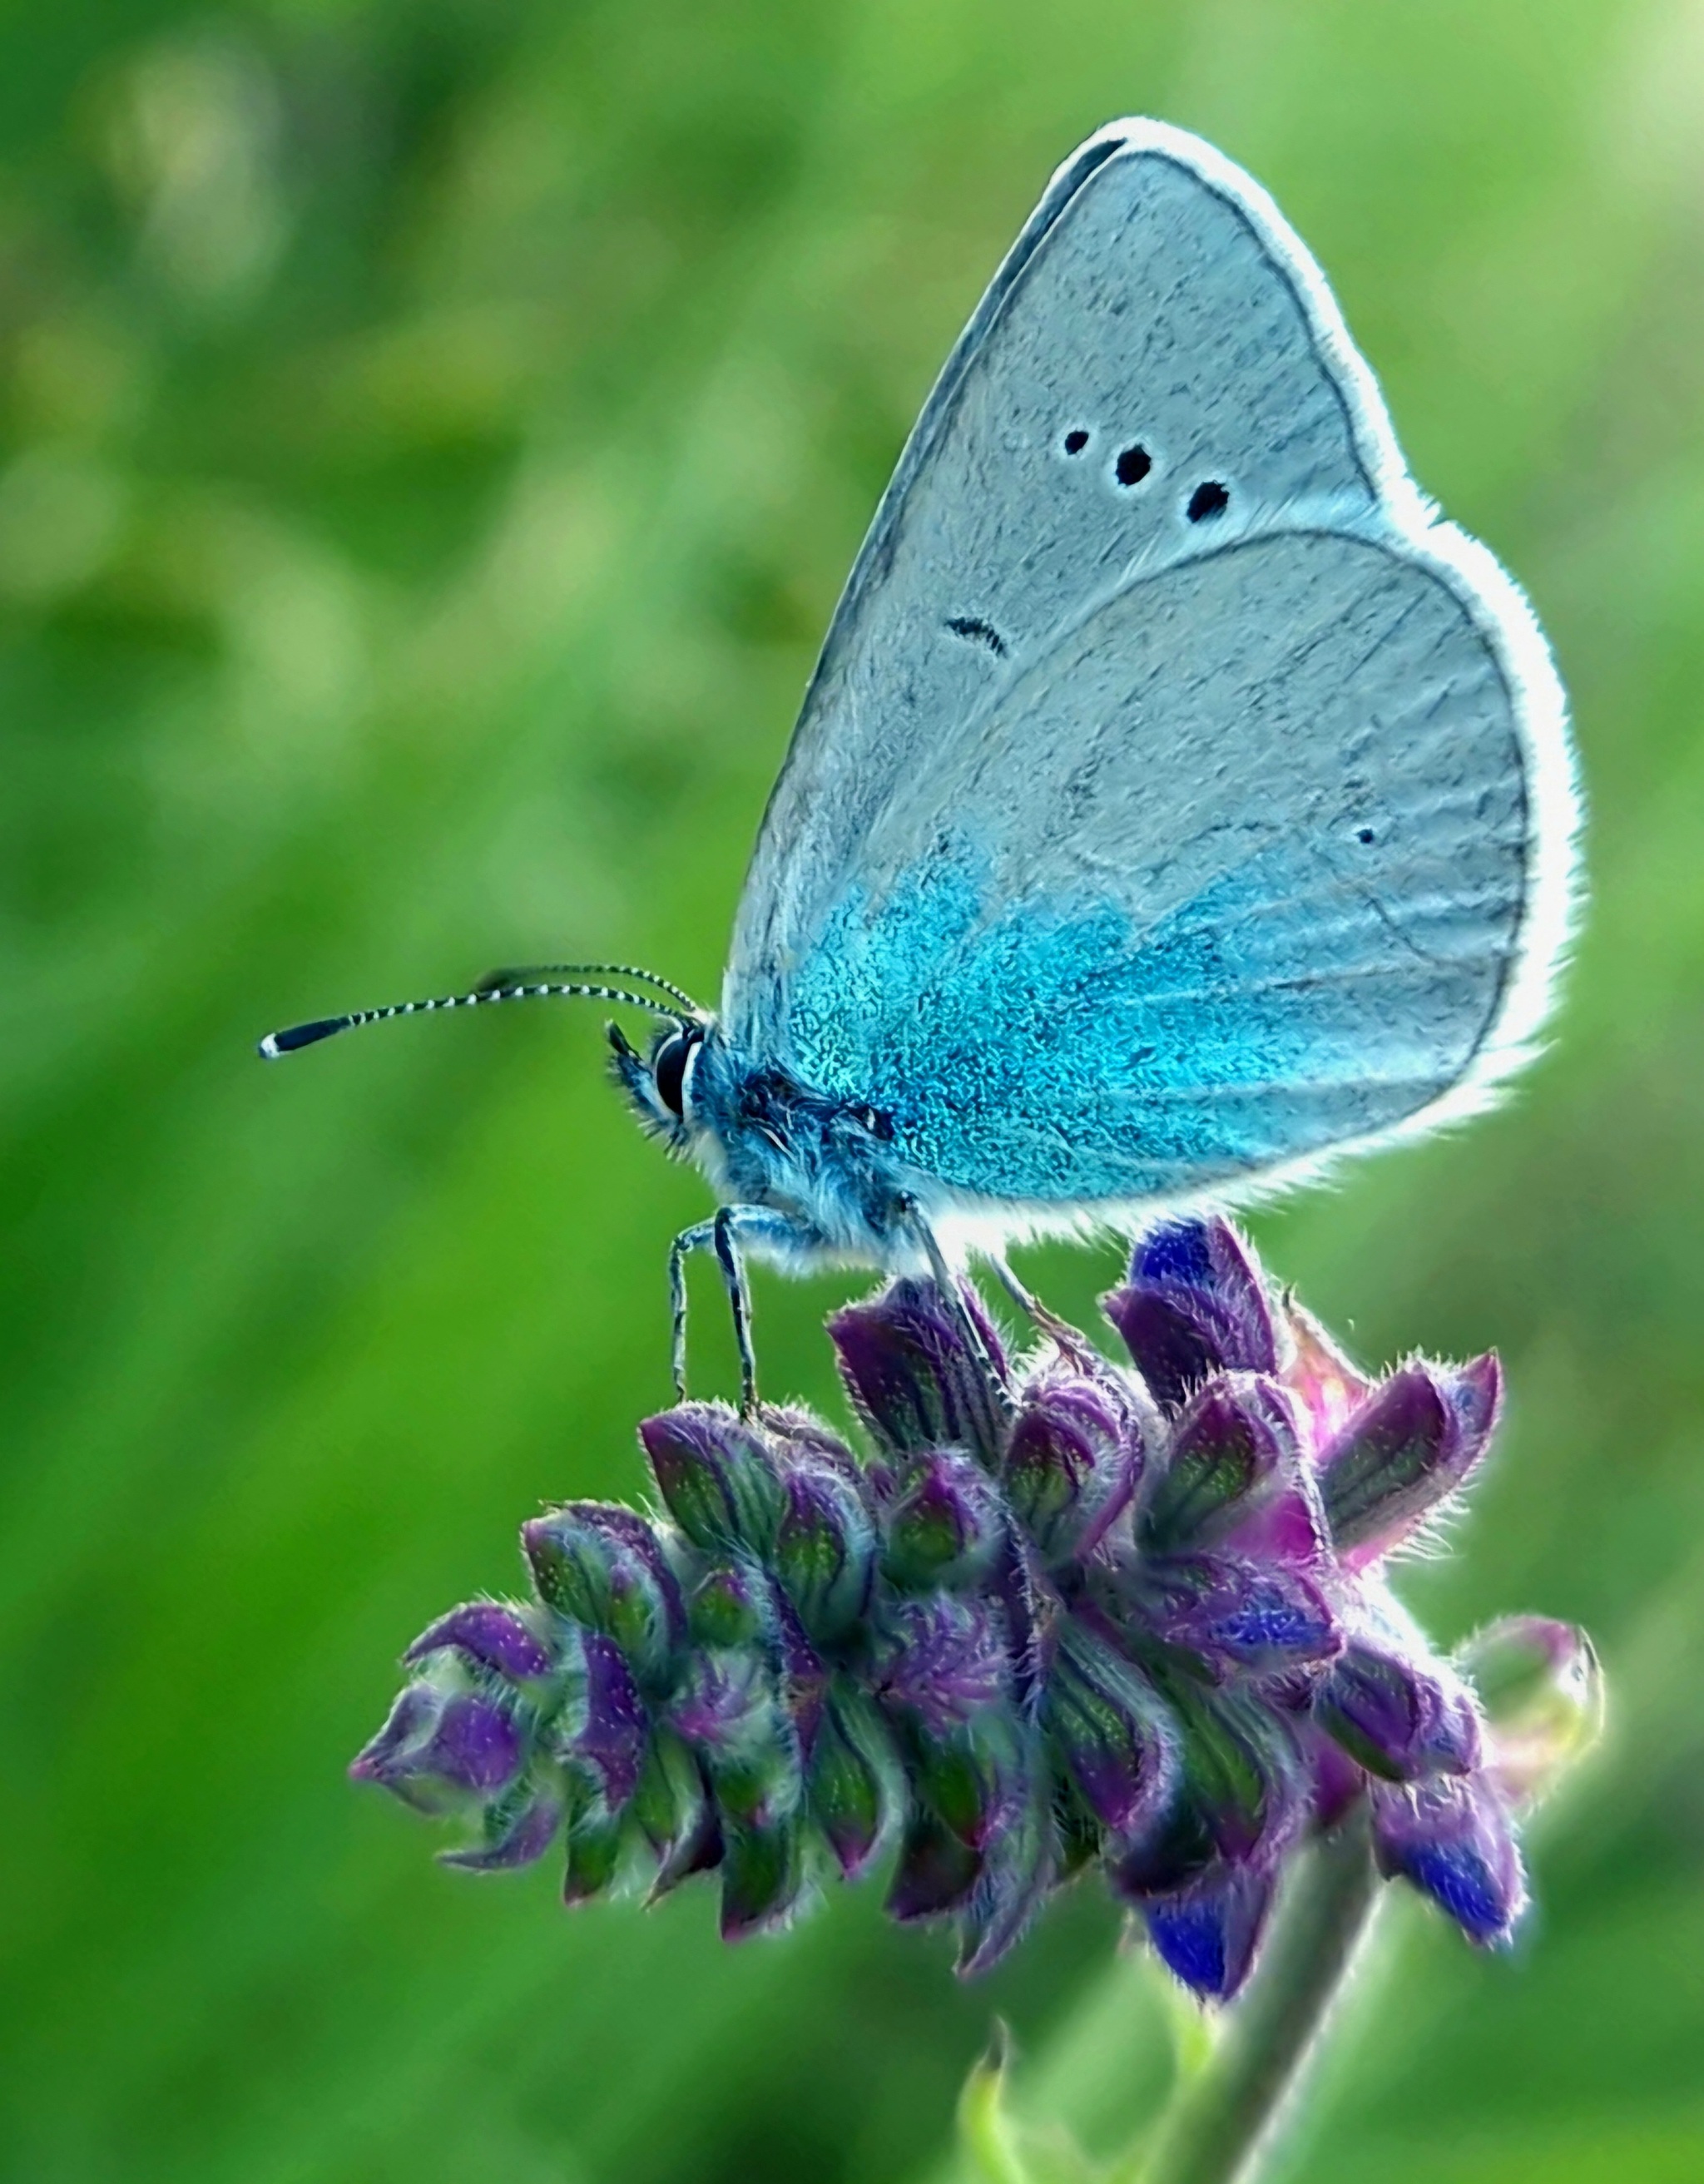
[
  {"x": 976, "y": 632},
  {"x": 1208, "y": 500},
  {"x": 1133, "y": 466},
  {"x": 1076, "y": 441},
  {"x": 1364, "y": 834}
]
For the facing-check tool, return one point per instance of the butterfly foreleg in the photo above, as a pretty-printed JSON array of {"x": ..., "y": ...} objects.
[
  {"x": 734, "y": 1229},
  {"x": 696, "y": 1238}
]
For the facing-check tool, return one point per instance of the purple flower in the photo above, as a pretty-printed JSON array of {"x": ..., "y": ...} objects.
[
  {"x": 1071, "y": 1616},
  {"x": 601, "y": 1566},
  {"x": 1118, "y": 1741},
  {"x": 947, "y": 1661},
  {"x": 1072, "y": 1460},
  {"x": 602, "y": 1733},
  {"x": 977, "y": 1779},
  {"x": 1194, "y": 1305},
  {"x": 1240, "y": 1615},
  {"x": 1405, "y": 1451},
  {"x": 936, "y": 1873},
  {"x": 516, "y": 1830},
  {"x": 487, "y": 1633},
  {"x": 1396, "y": 1719},
  {"x": 717, "y": 1475},
  {"x": 1451, "y": 1837},
  {"x": 442, "y": 1746},
  {"x": 946, "y": 1526},
  {"x": 762, "y": 1877},
  {"x": 1018, "y": 1867},
  {"x": 731, "y": 1713},
  {"x": 731, "y": 1605},
  {"x": 1206, "y": 1933},
  {"x": 847, "y": 1790},
  {"x": 1235, "y": 1445},
  {"x": 1243, "y": 1773},
  {"x": 922, "y": 1374},
  {"x": 824, "y": 1557}
]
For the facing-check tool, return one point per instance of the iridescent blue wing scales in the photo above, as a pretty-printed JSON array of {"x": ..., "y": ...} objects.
[
  {"x": 1274, "y": 916},
  {"x": 1175, "y": 799}
]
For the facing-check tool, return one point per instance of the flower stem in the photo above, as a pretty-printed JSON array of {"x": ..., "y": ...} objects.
[{"x": 1221, "y": 2119}]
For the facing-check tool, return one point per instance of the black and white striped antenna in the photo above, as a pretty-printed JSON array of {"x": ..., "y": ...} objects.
[
  {"x": 530, "y": 971},
  {"x": 514, "y": 985}
]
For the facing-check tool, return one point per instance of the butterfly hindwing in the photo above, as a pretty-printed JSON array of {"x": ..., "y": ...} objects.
[{"x": 1234, "y": 874}]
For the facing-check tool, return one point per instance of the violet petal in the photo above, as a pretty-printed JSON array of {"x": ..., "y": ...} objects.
[
  {"x": 1236, "y": 1439},
  {"x": 1194, "y": 1305},
  {"x": 946, "y": 1660},
  {"x": 490, "y": 1634},
  {"x": 1451, "y": 1838},
  {"x": 718, "y": 1477},
  {"x": 610, "y": 1736},
  {"x": 1408, "y": 1448},
  {"x": 1113, "y": 1732},
  {"x": 948, "y": 1525},
  {"x": 512, "y": 1839},
  {"x": 1072, "y": 1462},
  {"x": 824, "y": 1555},
  {"x": 1261, "y": 1619},
  {"x": 1208, "y": 1932},
  {"x": 1397, "y": 1719},
  {"x": 936, "y": 1873},
  {"x": 911, "y": 1374}
]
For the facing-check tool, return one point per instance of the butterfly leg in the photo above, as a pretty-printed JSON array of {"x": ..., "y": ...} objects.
[
  {"x": 1064, "y": 1337},
  {"x": 951, "y": 1288},
  {"x": 697, "y": 1238},
  {"x": 726, "y": 1227},
  {"x": 733, "y": 1228}
]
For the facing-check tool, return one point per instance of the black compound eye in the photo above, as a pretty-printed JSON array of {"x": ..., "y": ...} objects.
[{"x": 669, "y": 1070}]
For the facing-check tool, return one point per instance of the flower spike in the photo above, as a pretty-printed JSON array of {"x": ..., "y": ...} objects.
[{"x": 1069, "y": 1615}]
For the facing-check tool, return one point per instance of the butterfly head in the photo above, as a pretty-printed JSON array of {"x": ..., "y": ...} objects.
[{"x": 659, "y": 1083}]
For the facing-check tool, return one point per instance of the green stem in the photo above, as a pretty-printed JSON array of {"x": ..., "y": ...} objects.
[{"x": 1222, "y": 2117}]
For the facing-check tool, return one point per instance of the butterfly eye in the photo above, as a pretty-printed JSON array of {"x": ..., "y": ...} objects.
[{"x": 669, "y": 1069}]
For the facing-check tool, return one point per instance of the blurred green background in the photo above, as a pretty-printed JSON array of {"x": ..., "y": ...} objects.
[{"x": 437, "y": 430}]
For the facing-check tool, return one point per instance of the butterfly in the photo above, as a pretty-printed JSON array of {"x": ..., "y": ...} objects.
[{"x": 1177, "y": 803}]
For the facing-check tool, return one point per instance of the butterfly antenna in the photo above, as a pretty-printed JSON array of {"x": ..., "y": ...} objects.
[
  {"x": 277, "y": 1043},
  {"x": 528, "y": 971}
]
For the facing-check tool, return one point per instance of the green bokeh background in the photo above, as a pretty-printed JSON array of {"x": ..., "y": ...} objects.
[{"x": 437, "y": 430}]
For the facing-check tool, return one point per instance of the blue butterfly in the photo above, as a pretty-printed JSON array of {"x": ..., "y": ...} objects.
[{"x": 1178, "y": 802}]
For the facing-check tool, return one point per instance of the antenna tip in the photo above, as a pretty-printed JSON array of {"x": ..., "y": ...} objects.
[{"x": 277, "y": 1043}]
